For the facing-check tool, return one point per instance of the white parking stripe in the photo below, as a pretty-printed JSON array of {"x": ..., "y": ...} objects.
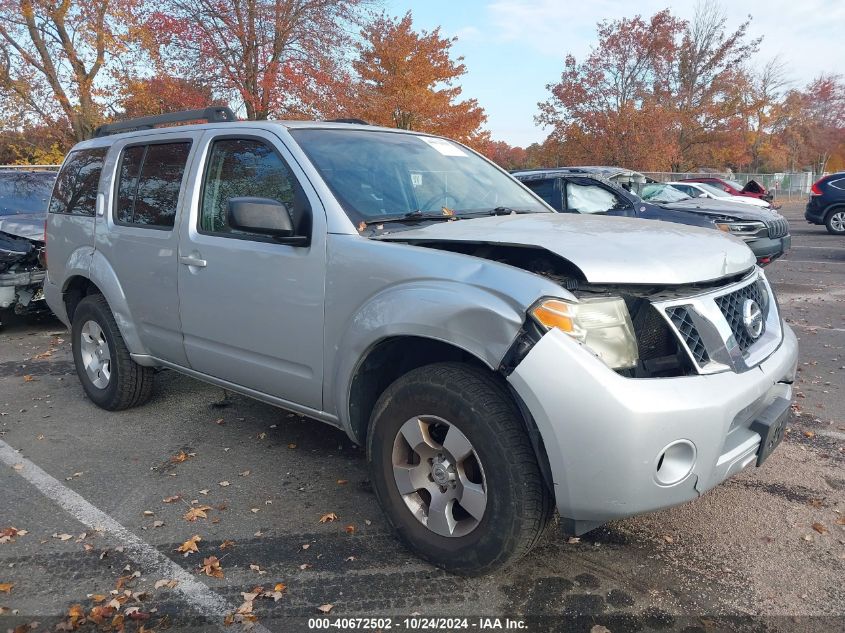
[{"x": 200, "y": 597}]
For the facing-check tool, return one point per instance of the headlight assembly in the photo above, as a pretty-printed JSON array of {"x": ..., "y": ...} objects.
[
  {"x": 603, "y": 325},
  {"x": 746, "y": 230}
]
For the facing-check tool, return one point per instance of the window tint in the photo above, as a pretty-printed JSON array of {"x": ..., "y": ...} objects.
[
  {"x": 242, "y": 168},
  {"x": 76, "y": 187},
  {"x": 149, "y": 181},
  {"x": 546, "y": 190},
  {"x": 127, "y": 184},
  {"x": 591, "y": 199}
]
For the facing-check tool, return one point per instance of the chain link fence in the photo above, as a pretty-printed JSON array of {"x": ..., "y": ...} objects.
[{"x": 786, "y": 186}]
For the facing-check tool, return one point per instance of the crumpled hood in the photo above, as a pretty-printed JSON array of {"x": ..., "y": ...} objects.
[
  {"x": 606, "y": 249},
  {"x": 26, "y": 225},
  {"x": 736, "y": 210}
]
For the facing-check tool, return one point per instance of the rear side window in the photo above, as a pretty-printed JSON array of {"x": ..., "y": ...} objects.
[
  {"x": 76, "y": 187},
  {"x": 148, "y": 184}
]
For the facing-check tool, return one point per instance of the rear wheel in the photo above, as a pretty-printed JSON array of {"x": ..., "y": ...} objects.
[
  {"x": 454, "y": 470},
  {"x": 835, "y": 222},
  {"x": 110, "y": 378}
]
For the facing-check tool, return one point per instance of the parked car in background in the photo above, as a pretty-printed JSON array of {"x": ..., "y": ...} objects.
[
  {"x": 586, "y": 190},
  {"x": 705, "y": 190},
  {"x": 752, "y": 189},
  {"x": 827, "y": 203},
  {"x": 24, "y": 196},
  {"x": 497, "y": 359}
]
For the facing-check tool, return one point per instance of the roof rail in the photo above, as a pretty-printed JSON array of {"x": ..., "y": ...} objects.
[
  {"x": 353, "y": 121},
  {"x": 212, "y": 114}
]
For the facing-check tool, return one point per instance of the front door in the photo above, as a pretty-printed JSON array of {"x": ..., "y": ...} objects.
[{"x": 252, "y": 308}]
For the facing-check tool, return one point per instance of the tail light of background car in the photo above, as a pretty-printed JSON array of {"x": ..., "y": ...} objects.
[{"x": 815, "y": 190}]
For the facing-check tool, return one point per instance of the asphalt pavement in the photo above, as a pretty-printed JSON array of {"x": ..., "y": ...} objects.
[{"x": 285, "y": 514}]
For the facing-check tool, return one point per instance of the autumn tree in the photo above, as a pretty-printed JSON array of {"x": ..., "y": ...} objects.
[
  {"x": 612, "y": 107},
  {"x": 276, "y": 57},
  {"x": 54, "y": 55},
  {"x": 162, "y": 94},
  {"x": 818, "y": 121},
  {"x": 407, "y": 80},
  {"x": 706, "y": 89}
]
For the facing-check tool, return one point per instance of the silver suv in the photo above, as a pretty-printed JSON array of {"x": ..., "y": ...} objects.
[{"x": 496, "y": 358}]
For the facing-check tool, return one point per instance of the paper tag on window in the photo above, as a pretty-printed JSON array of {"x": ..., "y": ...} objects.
[{"x": 447, "y": 148}]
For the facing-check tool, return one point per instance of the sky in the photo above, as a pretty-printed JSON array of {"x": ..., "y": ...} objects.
[{"x": 514, "y": 48}]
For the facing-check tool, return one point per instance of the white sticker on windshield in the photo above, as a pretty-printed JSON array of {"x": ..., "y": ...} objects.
[{"x": 447, "y": 148}]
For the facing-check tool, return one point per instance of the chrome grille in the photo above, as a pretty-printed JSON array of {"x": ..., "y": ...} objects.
[
  {"x": 731, "y": 306},
  {"x": 680, "y": 317},
  {"x": 777, "y": 227}
]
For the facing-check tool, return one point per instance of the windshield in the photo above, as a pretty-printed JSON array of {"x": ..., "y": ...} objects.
[
  {"x": 25, "y": 192},
  {"x": 377, "y": 175},
  {"x": 658, "y": 192}
]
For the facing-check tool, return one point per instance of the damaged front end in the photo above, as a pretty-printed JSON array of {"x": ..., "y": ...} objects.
[{"x": 21, "y": 274}]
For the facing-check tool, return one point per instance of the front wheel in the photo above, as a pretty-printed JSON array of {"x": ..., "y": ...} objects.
[
  {"x": 110, "y": 378},
  {"x": 454, "y": 470},
  {"x": 835, "y": 222}
]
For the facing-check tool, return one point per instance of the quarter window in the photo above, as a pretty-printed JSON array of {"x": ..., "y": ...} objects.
[
  {"x": 76, "y": 186},
  {"x": 149, "y": 180},
  {"x": 591, "y": 199},
  {"x": 243, "y": 168}
]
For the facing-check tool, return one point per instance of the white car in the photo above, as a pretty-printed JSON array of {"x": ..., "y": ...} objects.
[{"x": 703, "y": 190}]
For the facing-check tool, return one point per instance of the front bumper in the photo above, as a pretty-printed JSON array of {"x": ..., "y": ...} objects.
[
  {"x": 769, "y": 249},
  {"x": 604, "y": 434}
]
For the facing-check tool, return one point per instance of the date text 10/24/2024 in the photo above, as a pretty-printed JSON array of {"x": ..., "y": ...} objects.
[{"x": 417, "y": 623}]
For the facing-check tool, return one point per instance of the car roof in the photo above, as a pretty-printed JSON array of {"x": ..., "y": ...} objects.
[
  {"x": 588, "y": 170},
  {"x": 107, "y": 140}
]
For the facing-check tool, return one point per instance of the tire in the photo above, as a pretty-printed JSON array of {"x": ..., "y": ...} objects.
[
  {"x": 518, "y": 505},
  {"x": 835, "y": 221},
  {"x": 117, "y": 382}
]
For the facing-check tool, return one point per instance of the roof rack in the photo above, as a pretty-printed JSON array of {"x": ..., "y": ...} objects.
[
  {"x": 353, "y": 121},
  {"x": 213, "y": 114}
]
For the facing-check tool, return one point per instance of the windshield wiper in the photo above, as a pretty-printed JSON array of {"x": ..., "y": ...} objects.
[{"x": 409, "y": 217}]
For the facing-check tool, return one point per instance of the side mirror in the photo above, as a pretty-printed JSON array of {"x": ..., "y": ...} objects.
[{"x": 265, "y": 217}]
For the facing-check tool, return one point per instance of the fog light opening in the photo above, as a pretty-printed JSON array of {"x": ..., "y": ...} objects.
[{"x": 675, "y": 462}]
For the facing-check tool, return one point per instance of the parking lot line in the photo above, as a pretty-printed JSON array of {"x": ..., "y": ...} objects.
[
  {"x": 200, "y": 597},
  {"x": 810, "y": 261}
]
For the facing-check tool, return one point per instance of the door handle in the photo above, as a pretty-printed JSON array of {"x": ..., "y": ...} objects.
[{"x": 189, "y": 260}]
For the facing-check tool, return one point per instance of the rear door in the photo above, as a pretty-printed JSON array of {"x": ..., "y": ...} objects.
[
  {"x": 137, "y": 234},
  {"x": 252, "y": 308}
]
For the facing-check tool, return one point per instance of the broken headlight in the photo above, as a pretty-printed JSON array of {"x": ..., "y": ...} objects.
[{"x": 603, "y": 325}]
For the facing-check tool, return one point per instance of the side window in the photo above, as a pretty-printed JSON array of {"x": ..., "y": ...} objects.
[
  {"x": 546, "y": 190},
  {"x": 75, "y": 191},
  {"x": 149, "y": 180},
  {"x": 243, "y": 168},
  {"x": 591, "y": 199}
]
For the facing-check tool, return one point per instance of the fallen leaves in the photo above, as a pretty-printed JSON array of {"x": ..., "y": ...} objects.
[
  {"x": 190, "y": 546},
  {"x": 62, "y": 537},
  {"x": 349, "y": 529},
  {"x": 28, "y": 378},
  {"x": 166, "y": 582},
  {"x": 180, "y": 457},
  {"x": 819, "y": 527},
  {"x": 18, "y": 467},
  {"x": 6, "y": 587},
  {"x": 197, "y": 512},
  {"x": 227, "y": 544},
  {"x": 840, "y": 520},
  {"x": 342, "y": 482},
  {"x": 171, "y": 499},
  {"x": 223, "y": 483},
  {"x": 211, "y": 567},
  {"x": 325, "y": 608},
  {"x": 257, "y": 569},
  {"x": 8, "y": 535},
  {"x": 329, "y": 517}
]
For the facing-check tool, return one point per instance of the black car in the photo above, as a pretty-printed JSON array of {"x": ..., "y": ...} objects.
[
  {"x": 24, "y": 195},
  {"x": 598, "y": 190},
  {"x": 827, "y": 203}
]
